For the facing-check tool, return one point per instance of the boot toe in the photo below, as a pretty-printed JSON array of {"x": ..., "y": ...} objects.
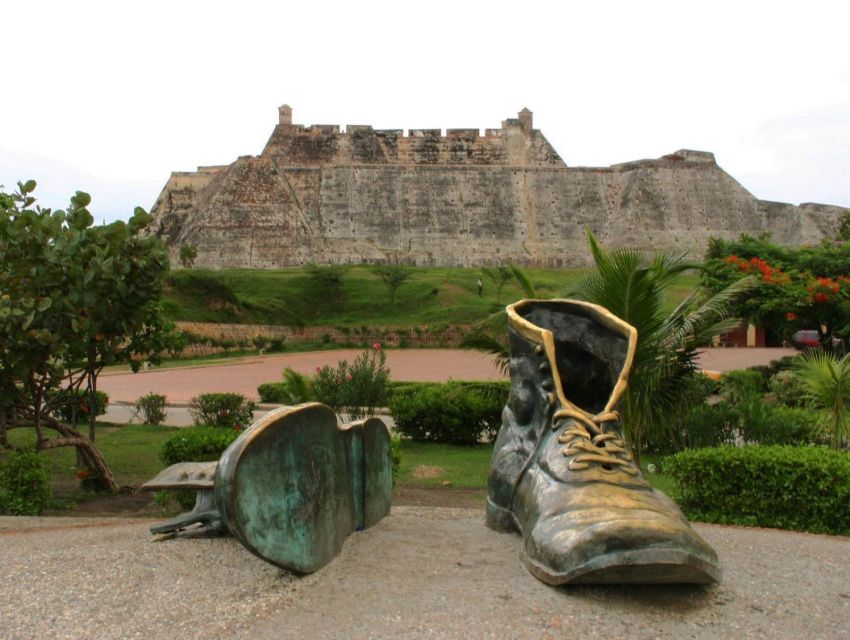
[{"x": 606, "y": 546}]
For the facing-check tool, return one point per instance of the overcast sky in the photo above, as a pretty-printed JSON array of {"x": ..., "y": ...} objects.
[{"x": 110, "y": 97}]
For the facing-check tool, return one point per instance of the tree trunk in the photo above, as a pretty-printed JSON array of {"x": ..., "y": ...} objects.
[
  {"x": 91, "y": 457},
  {"x": 92, "y": 403}
]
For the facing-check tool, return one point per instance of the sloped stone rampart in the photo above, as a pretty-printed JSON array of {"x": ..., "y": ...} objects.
[{"x": 317, "y": 194}]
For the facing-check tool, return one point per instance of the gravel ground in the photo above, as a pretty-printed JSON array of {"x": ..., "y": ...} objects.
[{"x": 420, "y": 573}]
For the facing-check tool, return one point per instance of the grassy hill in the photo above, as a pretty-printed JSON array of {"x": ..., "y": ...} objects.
[{"x": 292, "y": 297}]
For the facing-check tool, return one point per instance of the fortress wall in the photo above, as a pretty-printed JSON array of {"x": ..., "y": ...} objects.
[
  {"x": 459, "y": 198},
  {"x": 264, "y": 215}
]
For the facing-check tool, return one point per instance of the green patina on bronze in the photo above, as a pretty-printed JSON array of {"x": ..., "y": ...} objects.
[{"x": 295, "y": 484}]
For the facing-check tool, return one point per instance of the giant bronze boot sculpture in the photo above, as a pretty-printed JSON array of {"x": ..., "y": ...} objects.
[{"x": 561, "y": 473}]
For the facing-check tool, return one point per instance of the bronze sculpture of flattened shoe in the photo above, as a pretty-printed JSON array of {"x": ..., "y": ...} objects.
[
  {"x": 561, "y": 473},
  {"x": 295, "y": 484}
]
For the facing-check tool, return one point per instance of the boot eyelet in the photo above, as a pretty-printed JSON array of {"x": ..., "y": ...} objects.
[
  {"x": 547, "y": 384},
  {"x": 543, "y": 367},
  {"x": 538, "y": 349}
]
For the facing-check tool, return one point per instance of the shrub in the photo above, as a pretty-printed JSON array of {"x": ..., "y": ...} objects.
[
  {"x": 455, "y": 412},
  {"x": 150, "y": 409},
  {"x": 272, "y": 392},
  {"x": 786, "y": 388},
  {"x": 737, "y": 386},
  {"x": 79, "y": 399},
  {"x": 196, "y": 444},
  {"x": 228, "y": 410},
  {"x": 769, "y": 370},
  {"x": 710, "y": 426},
  {"x": 800, "y": 488},
  {"x": 687, "y": 423},
  {"x": 295, "y": 389},
  {"x": 24, "y": 483},
  {"x": 357, "y": 389},
  {"x": 763, "y": 423}
]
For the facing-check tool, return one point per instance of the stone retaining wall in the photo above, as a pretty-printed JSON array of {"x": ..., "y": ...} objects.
[{"x": 423, "y": 336}]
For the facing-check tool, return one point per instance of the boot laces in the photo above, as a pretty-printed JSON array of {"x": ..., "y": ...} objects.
[{"x": 588, "y": 440}]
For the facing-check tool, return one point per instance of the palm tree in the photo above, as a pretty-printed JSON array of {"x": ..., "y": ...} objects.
[
  {"x": 633, "y": 286},
  {"x": 826, "y": 380},
  {"x": 490, "y": 334}
]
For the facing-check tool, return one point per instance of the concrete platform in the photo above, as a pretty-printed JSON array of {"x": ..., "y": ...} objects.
[{"x": 420, "y": 573}]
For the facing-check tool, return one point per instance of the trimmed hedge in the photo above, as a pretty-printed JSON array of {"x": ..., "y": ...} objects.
[
  {"x": 197, "y": 444},
  {"x": 273, "y": 392},
  {"x": 454, "y": 412},
  {"x": 798, "y": 488},
  {"x": 228, "y": 410}
]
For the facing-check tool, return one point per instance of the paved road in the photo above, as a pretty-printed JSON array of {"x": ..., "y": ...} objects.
[{"x": 426, "y": 365}]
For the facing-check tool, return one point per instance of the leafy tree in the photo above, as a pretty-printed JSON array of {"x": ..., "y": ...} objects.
[
  {"x": 826, "y": 380},
  {"x": 633, "y": 286},
  {"x": 803, "y": 288},
  {"x": 188, "y": 254},
  {"x": 74, "y": 298},
  {"x": 393, "y": 276}
]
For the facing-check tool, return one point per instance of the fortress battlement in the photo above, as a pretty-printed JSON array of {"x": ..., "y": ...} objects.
[{"x": 516, "y": 143}]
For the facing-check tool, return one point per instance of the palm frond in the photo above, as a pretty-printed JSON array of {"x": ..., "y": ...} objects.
[
  {"x": 481, "y": 341},
  {"x": 527, "y": 288}
]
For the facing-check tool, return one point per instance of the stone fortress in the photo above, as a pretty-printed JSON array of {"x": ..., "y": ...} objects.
[{"x": 319, "y": 194}]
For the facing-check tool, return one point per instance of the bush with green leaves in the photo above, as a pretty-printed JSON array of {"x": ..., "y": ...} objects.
[
  {"x": 78, "y": 400},
  {"x": 196, "y": 444},
  {"x": 355, "y": 390},
  {"x": 454, "y": 412},
  {"x": 151, "y": 409},
  {"x": 295, "y": 389},
  {"x": 763, "y": 423},
  {"x": 786, "y": 388},
  {"x": 798, "y": 488},
  {"x": 685, "y": 425},
  {"x": 227, "y": 410},
  {"x": 24, "y": 483},
  {"x": 700, "y": 425},
  {"x": 739, "y": 386}
]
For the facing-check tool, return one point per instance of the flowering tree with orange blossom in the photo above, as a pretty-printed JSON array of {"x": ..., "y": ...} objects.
[{"x": 805, "y": 288}]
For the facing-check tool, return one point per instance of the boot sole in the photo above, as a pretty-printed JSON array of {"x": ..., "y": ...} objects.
[
  {"x": 642, "y": 566},
  {"x": 295, "y": 485}
]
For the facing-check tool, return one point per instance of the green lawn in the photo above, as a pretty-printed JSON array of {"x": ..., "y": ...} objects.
[
  {"x": 131, "y": 451},
  {"x": 288, "y": 297},
  {"x": 466, "y": 467}
]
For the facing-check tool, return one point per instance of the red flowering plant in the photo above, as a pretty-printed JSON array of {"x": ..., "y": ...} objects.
[
  {"x": 806, "y": 288},
  {"x": 357, "y": 389}
]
